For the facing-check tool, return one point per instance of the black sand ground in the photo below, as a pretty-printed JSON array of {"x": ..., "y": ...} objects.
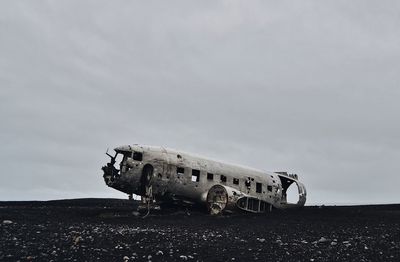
[{"x": 106, "y": 230}]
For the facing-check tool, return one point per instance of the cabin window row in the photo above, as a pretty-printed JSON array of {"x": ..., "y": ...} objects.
[{"x": 180, "y": 171}]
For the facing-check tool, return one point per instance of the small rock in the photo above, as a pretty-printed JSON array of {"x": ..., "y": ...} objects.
[
  {"x": 125, "y": 258},
  {"x": 261, "y": 240},
  {"x": 159, "y": 253},
  {"x": 183, "y": 257},
  {"x": 7, "y": 222},
  {"x": 333, "y": 243},
  {"x": 322, "y": 240},
  {"x": 77, "y": 240}
]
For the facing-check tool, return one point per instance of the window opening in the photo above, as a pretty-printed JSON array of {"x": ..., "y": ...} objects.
[
  {"x": 258, "y": 187},
  {"x": 180, "y": 171},
  {"x": 210, "y": 176},
  {"x": 223, "y": 178},
  {"x": 248, "y": 183},
  {"x": 137, "y": 156},
  {"x": 195, "y": 175},
  {"x": 235, "y": 181}
]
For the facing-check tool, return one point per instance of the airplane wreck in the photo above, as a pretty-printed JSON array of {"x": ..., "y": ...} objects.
[{"x": 158, "y": 174}]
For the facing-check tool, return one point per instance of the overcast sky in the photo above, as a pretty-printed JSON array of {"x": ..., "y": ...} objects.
[{"x": 310, "y": 87}]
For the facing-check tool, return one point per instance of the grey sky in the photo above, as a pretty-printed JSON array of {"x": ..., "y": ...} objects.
[{"x": 310, "y": 87}]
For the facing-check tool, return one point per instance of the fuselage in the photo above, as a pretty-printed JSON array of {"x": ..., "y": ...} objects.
[{"x": 177, "y": 175}]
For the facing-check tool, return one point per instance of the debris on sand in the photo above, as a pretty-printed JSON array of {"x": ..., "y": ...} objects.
[{"x": 75, "y": 232}]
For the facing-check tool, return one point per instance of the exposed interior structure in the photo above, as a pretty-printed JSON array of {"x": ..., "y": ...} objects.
[{"x": 158, "y": 174}]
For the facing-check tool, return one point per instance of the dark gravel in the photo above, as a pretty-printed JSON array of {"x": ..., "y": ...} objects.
[{"x": 106, "y": 230}]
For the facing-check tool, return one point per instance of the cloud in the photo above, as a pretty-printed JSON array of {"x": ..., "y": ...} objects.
[{"x": 308, "y": 87}]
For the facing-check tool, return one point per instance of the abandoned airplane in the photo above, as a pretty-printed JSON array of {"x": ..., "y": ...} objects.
[{"x": 160, "y": 174}]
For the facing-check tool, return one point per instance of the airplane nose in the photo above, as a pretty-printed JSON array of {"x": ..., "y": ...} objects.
[{"x": 109, "y": 173}]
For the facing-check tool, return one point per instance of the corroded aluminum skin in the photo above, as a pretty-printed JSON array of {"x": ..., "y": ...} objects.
[{"x": 166, "y": 184}]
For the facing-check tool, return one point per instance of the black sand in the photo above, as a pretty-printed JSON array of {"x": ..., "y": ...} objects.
[{"x": 106, "y": 230}]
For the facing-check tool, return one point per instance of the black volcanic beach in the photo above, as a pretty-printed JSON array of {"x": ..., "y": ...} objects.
[{"x": 111, "y": 230}]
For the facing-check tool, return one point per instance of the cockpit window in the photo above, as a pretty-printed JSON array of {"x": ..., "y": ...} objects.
[
  {"x": 137, "y": 156},
  {"x": 118, "y": 159}
]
